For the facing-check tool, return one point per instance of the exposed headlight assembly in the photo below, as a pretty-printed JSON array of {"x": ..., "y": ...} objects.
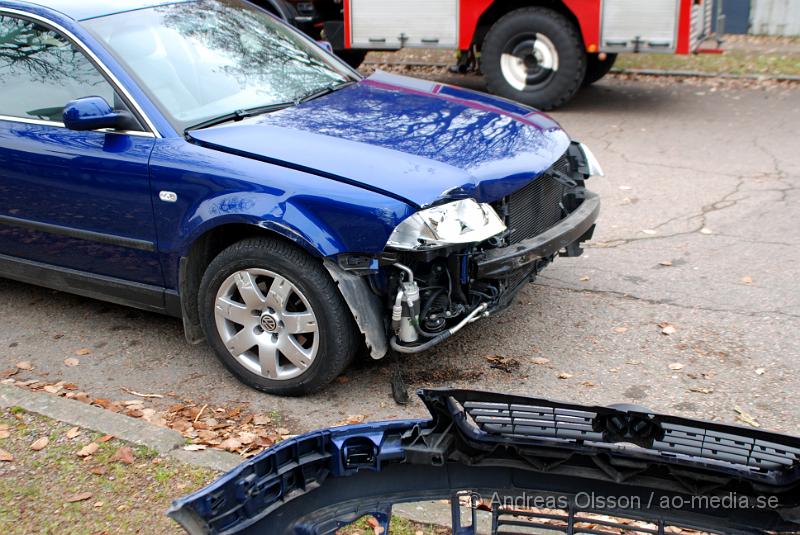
[
  {"x": 591, "y": 161},
  {"x": 464, "y": 221}
]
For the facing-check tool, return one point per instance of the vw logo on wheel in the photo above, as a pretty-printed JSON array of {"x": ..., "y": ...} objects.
[{"x": 268, "y": 323}]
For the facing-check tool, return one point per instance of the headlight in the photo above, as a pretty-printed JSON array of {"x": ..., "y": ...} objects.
[
  {"x": 456, "y": 222},
  {"x": 591, "y": 161}
]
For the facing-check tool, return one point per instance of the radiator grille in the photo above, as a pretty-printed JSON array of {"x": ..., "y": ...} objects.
[{"x": 537, "y": 206}]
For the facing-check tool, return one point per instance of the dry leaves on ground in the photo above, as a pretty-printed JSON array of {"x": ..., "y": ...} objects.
[
  {"x": 702, "y": 389},
  {"x": 744, "y": 417},
  {"x": 564, "y": 375},
  {"x": 667, "y": 328},
  {"x": 747, "y": 280},
  {"x": 25, "y": 365},
  {"x": 5, "y": 456},
  {"x": 675, "y": 366},
  {"x": 123, "y": 455},
  {"x": 761, "y": 371},
  {"x": 506, "y": 364},
  {"x": 71, "y": 362},
  {"x": 89, "y": 449},
  {"x": 73, "y": 432},
  {"x": 83, "y": 352},
  {"x": 540, "y": 360},
  {"x": 40, "y": 443},
  {"x": 80, "y": 497}
]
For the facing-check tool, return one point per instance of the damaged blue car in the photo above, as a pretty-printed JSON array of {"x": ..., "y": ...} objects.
[{"x": 202, "y": 159}]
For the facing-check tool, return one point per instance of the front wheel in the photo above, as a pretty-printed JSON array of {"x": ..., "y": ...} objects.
[
  {"x": 534, "y": 55},
  {"x": 275, "y": 318}
]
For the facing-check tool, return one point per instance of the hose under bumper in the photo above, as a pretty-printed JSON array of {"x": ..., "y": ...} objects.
[{"x": 472, "y": 316}]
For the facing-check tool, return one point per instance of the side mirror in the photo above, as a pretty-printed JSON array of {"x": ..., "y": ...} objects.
[{"x": 93, "y": 113}]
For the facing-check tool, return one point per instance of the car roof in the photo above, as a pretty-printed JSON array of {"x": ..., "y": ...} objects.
[{"x": 89, "y": 9}]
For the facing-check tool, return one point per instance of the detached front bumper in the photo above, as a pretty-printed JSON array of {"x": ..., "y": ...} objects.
[{"x": 577, "y": 227}]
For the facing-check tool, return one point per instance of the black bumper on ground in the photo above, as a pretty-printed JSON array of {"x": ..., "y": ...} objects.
[{"x": 575, "y": 228}]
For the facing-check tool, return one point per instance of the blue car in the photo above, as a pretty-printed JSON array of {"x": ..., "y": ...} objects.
[{"x": 202, "y": 159}]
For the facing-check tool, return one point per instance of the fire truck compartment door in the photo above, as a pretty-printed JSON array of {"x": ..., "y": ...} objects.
[
  {"x": 396, "y": 24},
  {"x": 639, "y": 26}
]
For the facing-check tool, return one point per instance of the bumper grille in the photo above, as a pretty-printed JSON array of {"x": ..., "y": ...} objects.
[{"x": 537, "y": 206}]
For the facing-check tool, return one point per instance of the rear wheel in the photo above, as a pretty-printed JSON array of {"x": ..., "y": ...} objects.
[
  {"x": 535, "y": 56},
  {"x": 597, "y": 68},
  {"x": 275, "y": 318}
]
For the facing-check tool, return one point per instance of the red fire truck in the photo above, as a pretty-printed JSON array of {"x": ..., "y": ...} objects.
[{"x": 540, "y": 52}]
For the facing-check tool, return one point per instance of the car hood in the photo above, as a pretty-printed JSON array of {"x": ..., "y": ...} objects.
[{"x": 415, "y": 140}]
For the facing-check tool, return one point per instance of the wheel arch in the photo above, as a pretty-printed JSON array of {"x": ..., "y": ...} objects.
[
  {"x": 205, "y": 245},
  {"x": 500, "y": 8}
]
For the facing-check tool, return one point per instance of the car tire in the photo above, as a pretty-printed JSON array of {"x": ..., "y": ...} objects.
[
  {"x": 275, "y": 296},
  {"x": 535, "y": 56},
  {"x": 597, "y": 68}
]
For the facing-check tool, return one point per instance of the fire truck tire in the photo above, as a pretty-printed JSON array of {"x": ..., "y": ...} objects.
[
  {"x": 597, "y": 68},
  {"x": 352, "y": 57},
  {"x": 534, "y": 55}
]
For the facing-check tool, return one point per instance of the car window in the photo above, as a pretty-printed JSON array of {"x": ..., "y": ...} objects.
[
  {"x": 41, "y": 71},
  {"x": 198, "y": 60}
]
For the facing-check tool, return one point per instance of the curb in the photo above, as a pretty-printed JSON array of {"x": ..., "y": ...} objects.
[{"x": 164, "y": 441}]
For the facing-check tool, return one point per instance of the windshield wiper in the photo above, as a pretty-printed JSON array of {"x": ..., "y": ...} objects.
[
  {"x": 238, "y": 115},
  {"x": 330, "y": 88}
]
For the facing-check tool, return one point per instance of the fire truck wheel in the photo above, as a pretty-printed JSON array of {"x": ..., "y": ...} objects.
[
  {"x": 352, "y": 57},
  {"x": 534, "y": 55},
  {"x": 597, "y": 68}
]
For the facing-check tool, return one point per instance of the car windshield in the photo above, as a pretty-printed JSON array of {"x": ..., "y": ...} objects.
[{"x": 207, "y": 59}]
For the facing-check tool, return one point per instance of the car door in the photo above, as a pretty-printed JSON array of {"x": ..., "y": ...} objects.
[{"x": 70, "y": 202}]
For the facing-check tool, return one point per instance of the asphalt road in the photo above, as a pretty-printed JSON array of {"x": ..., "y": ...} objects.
[{"x": 701, "y": 177}]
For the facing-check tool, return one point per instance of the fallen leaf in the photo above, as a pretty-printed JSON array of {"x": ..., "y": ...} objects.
[
  {"x": 667, "y": 328},
  {"x": 4, "y": 434},
  {"x": 282, "y": 431},
  {"x": 564, "y": 375},
  {"x": 506, "y": 364},
  {"x": 71, "y": 362},
  {"x": 342, "y": 379},
  {"x": 5, "y": 456},
  {"x": 747, "y": 280},
  {"x": 102, "y": 402},
  {"x": 5, "y": 374},
  {"x": 584, "y": 278},
  {"x": 73, "y": 432},
  {"x": 760, "y": 371},
  {"x": 123, "y": 455},
  {"x": 230, "y": 444},
  {"x": 540, "y": 360},
  {"x": 620, "y": 330},
  {"x": 98, "y": 470},
  {"x": 195, "y": 447},
  {"x": 40, "y": 443},
  {"x": 98, "y": 504},
  {"x": 52, "y": 389},
  {"x": 744, "y": 417},
  {"x": 134, "y": 393},
  {"x": 649, "y": 232},
  {"x": 89, "y": 449},
  {"x": 83, "y": 352},
  {"x": 675, "y": 366},
  {"x": 706, "y": 230},
  {"x": 25, "y": 365},
  {"x": 702, "y": 389},
  {"x": 262, "y": 420},
  {"x": 588, "y": 384},
  {"x": 665, "y": 263},
  {"x": 633, "y": 362},
  {"x": 80, "y": 497}
]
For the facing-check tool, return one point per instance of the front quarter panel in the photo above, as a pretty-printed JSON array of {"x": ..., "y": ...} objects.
[{"x": 213, "y": 188}]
